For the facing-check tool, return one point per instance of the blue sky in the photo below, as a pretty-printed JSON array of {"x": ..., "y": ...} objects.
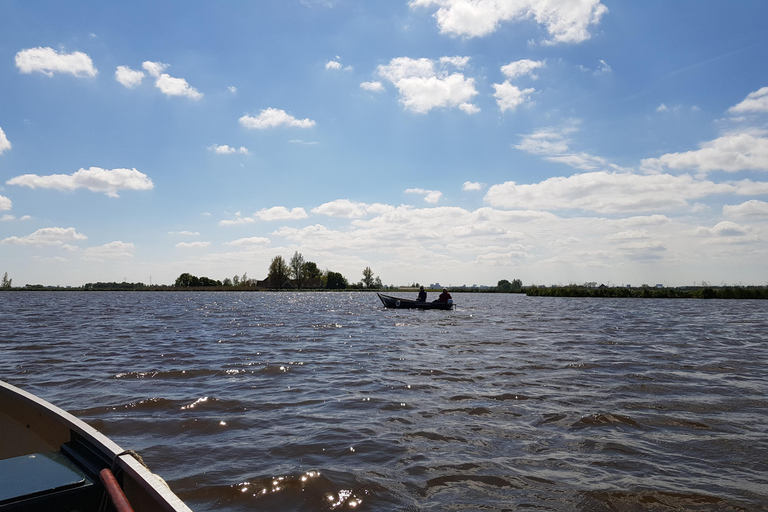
[{"x": 450, "y": 141}]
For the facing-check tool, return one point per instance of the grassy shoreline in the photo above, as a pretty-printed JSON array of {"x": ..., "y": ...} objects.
[{"x": 688, "y": 292}]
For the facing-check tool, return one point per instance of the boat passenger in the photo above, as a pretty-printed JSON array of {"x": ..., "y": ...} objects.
[
  {"x": 445, "y": 296},
  {"x": 422, "y": 295}
]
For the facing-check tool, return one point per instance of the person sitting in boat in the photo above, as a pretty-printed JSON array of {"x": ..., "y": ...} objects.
[
  {"x": 445, "y": 296},
  {"x": 422, "y": 295}
]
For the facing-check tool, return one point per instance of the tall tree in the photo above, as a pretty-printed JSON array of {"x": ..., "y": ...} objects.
[
  {"x": 311, "y": 271},
  {"x": 297, "y": 268},
  {"x": 335, "y": 281},
  {"x": 278, "y": 272},
  {"x": 6, "y": 282},
  {"x": 368, "y": 277}
]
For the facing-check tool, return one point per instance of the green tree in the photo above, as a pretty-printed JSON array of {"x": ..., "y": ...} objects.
[
  {"x": 297, "y": 268},
  {"x": 7, "y": 283},
  {"x": 278, "y": 273},
  {"x": 335, "y": 281},
  {"x": 186, "y": 280},
  {"x": 368, "y": 277},
  {"x": 236, "y": 280},
  {"x": 311, "y": 271}
]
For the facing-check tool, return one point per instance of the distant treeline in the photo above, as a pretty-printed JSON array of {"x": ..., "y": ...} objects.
[{"x": 708, "y": 292}]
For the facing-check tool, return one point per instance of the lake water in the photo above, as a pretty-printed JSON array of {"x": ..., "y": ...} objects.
[{"x": 327, "y": 401}]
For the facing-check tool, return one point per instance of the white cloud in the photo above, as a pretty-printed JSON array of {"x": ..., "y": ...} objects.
[
  {"x": 605, "y": 192},
  {"x": 168, "y": 85},
  {"x": 5, "y": 203},
  {"x": 755, "y": 102},
  {"x": 47, "y": 236},
  {"x": 223, "y": 149},
  {"x": 154, "y": 68},
  {"x": 192, "y": 245},
  {"x": 521, "y": 68},
  {"x": 430, "y": 196},
  {"x": 552, "y": 144},
  {"x": 272, "y": 118},
  {"x": 752, "y": 208},
  {"x": 5, "y": 144},
  {"x": 603, "y": 69},
  {"x": 725, "y": 229},
  {"x": 94, "y": 179},
  {"x": 184, "y": 233},
  {"x": 747, "y": 151},
  {"x": 281, "y": 213},
  {"x": 662, "y": 108},
  {"x": 509, "y": 97},
  {"x": 372, "y": 86},
  {"x": 48, "y": 61},
  {"x": 343, "y": 208},
  {"x": 333, "y": 65},
  {"x": 128, "y": 77},
  {"x": 171, "y": 86},
  {"x": 111, "y": 251},
  {"x": 232, "y": 89},
  {"x": 473, "y": 185},
  {"x": 566, "y": 21},
  {"x": 424, "y": 86},
  {"x": 254, "y": 240}
]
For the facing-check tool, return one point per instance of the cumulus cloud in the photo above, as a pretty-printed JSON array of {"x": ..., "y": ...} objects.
[
  {"x": 48, "y": 61},
  {"x": 272, "y": 118},
  {"x": 509, "y": 97},
  {"x": 5, "y": 203},
  {"x": 47, "y": 236},
  {"x": 344, "y": 208},
  {"x": 605, "y": 192},
  {"x": 168, "y": 85},
  {"x": 724, "y": 229},
  {"x": 5, "y": 144},
  {"x": 751, "y": 208},
  {"x": 129, "y": 77},
  {"x": 94, "y": 179},
  {"x": 254, "y": 240},
  {"x": 521, "y": 68},
  {"x": 171, "y": 86},
  {"x": 746, "y": 151},
  {"x": 267, "y": 214},
  {"x": 755, "y": 102},
  {"x": 372, "y": 86},
  {"x": 566, "y": 21},
  {"x": 223, "y": 149},
  {"x": 192, "y": 245},
  {"x": 472, "y": 185},
  {"x": 332, "y": 64},
  {"x": 281, "y": 213},
  {"x": 430, "y": 196},
  {"x": 111, "y": 251},
  {"x": 553, "y": 144},
  {"x": 425, "y": 84}
]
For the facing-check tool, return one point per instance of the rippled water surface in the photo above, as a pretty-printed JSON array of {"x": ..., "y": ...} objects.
[{"x": 327, "y": 401}]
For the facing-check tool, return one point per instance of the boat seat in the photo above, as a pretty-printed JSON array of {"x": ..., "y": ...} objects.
[{"x": 44, "y": 481}]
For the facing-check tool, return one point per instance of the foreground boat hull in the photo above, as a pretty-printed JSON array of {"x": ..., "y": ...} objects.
[
  {"x": 398, "y": 303},
  {"x": 65, "y": 455}
]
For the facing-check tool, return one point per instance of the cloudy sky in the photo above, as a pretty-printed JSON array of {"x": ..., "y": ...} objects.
[{"x": 451, "y": 141}]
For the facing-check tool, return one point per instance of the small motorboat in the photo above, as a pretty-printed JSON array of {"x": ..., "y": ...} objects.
[
  {"x": 397, "y": 303},
  {"x": 52, "y": 461}
]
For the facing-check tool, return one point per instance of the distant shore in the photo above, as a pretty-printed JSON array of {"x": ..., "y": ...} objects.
[{"x": 644, "y": 292}]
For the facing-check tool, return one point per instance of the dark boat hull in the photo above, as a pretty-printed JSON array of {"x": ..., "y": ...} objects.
[{"x": 398, "y": 303}]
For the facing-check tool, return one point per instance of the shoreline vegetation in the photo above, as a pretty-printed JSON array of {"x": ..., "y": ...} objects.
[{"x": 684, "y": 292}]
